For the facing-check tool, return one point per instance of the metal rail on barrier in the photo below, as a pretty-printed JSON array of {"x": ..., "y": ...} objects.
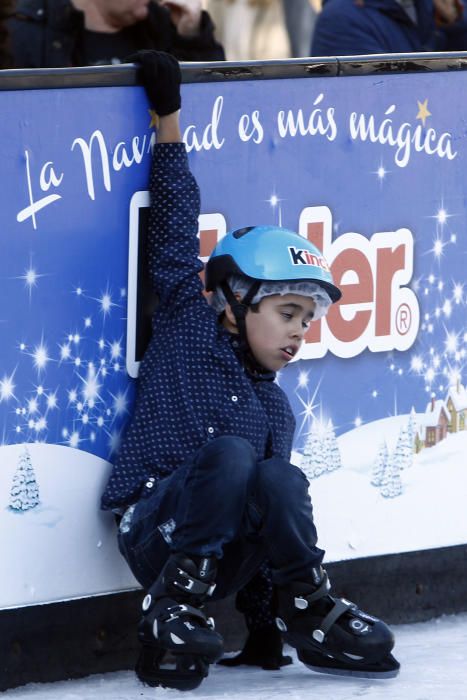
[{"x": 124, "y": 74}]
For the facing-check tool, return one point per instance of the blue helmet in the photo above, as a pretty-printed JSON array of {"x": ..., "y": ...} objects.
[{"x": 269, "y": 253}]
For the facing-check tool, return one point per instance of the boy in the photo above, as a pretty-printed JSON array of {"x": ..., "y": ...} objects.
[{"x": 203, "y": 474}]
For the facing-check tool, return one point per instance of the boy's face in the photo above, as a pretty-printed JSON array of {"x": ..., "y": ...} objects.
[
  {"x": 124, "y": 13},
  {"x": 276, "y": 331}
]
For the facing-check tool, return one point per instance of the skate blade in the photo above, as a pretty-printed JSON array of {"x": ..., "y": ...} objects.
[
  {"x": 355, "y": 673},
  {"x": 168, "y": 681},
  {"x": 386, "y": 668},
  {"x": 170, "y": 678},
  {"x": 179, "y": 672}
]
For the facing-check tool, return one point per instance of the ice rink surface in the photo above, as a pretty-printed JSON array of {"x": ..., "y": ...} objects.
[{"x": 433, "y": 656}]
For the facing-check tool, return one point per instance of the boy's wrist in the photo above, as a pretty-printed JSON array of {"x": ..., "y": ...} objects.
[{"x": 169, "y": 129}]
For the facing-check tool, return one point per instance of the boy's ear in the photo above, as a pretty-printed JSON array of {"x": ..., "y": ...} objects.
[{"x": 229, "y": 315}]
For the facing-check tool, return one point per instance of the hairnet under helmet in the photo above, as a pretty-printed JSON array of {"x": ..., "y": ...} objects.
[
  {"x": 240, "y": 285},
  {"x": 268, "y": 260}
]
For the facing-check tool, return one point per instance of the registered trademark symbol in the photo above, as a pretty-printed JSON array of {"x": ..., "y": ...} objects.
[{"x": 403, "y": 319}]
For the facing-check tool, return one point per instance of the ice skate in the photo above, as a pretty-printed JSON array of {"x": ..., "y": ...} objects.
[
  {"x": 178, "y": 640},
  {"x": 331, "y": 635}
]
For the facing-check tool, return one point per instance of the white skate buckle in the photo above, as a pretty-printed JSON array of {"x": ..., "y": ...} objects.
[
  {"x": 318, "y": 636},
  {"x": 174, "y": 612},
  {"x": 301, "y": 603},
  {"x": 280, "y": 624},
  {"x": 188, "y": 585}
]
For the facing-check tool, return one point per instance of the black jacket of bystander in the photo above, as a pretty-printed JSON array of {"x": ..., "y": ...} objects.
[{"x": 49, "y": 33}]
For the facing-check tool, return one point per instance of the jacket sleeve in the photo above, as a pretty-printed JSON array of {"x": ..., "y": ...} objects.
[
  {"x": 173, "y": 245},
  {"x": 202, "y": 47}
]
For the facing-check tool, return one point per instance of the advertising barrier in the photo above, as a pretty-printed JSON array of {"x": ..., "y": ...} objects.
[{"x": 371, "y": 168}]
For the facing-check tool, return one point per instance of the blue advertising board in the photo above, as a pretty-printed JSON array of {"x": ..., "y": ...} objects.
[{"x": 371, "y": 168}]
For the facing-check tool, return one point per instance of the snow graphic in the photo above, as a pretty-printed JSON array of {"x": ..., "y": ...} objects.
[
  {"x": 24, "y": 492},
  {"x": 64, "y": 531},
  {"x": 321, "y": 452},
  {"x": 380, "y": 464},
  {"x": 71, "y": 388}
]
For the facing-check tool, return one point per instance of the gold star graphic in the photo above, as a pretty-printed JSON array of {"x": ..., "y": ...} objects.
[
  {"x": 423, "y": 111},
  {"x": 155, "y": 119}
]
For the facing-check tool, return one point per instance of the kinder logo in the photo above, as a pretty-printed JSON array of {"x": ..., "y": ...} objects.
[
  {"x": 378, "y": 310},
  {"x": 304, "y": 257}
]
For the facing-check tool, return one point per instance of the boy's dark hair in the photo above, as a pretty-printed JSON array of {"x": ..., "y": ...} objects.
[{"x": 6, "y": 11}]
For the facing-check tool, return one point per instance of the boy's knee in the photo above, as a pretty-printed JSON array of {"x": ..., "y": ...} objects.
[
  {"x": 230, "y": 454},
  {"x": 281, "y": 480}
]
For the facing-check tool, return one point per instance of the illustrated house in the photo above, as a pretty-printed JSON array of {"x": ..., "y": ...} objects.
[
  {"x": 433, "y": 426},
  {"x": 419, "y": 441},
  {"x": 456, "y": 402}
]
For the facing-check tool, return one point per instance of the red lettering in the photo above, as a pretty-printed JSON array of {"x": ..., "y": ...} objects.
[
  {"x": 315, "y": 234},
  {"x": 354, "y": 293},
  {"x": 313, "y": 334},
  {"x": 207, "y": 242},
  {"x": 388, "y": 261}
]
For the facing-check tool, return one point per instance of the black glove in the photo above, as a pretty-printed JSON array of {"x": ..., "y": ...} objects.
[
  {"x": 262, "y": 648},
  {"x": 161, "y": 77}
]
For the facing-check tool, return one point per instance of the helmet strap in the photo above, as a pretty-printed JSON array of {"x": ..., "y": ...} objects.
[
  {"x": 239, "y": 310},
  {"x": 240, "y": 307}
]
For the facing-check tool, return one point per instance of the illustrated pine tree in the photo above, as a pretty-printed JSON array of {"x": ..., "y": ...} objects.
[
  {"x": 404, "y": 448},
  {"x": 412, "y": 429},
  {"x": 331, "y": 452},
  {"x": 392, "y": 483},
  {"x": 313, "y": 462},
  {"x": 325, "y": 447},
  {"x": 24, "y": 493},
  {"x": 380, "y": 465}
]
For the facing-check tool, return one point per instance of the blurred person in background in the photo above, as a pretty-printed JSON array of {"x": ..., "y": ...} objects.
[
  {"x": 6, "y": 9},
  {"x": 63, "y": 33},
  {"x": 250, "y": 29},
  {"x": 300, "y": 18},
  {"x": 352, "y": 27},
  {"x": 263, "y": 29}
]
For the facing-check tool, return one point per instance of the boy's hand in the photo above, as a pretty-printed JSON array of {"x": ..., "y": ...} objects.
[
  {"x": 161, "y": 76},
  {"x": 185, "y": 14}
]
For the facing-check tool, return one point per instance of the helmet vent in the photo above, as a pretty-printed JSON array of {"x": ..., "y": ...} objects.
[{"x": 242, "y": 231}]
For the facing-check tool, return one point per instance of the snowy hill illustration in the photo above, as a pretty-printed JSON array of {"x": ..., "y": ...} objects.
[
  {"x": 59, "y": 528},
  {"x": 63, "y": 546},
  {"x": 355, "y": 520}
]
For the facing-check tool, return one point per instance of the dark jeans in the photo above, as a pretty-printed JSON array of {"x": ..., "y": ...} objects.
[{"x": 224, "y": 503}]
